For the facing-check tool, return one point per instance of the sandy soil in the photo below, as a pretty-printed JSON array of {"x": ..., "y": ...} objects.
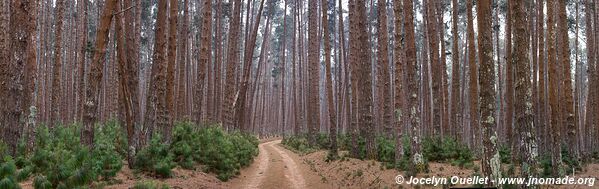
[
  {"x": 355, "y": 173},
  {"x": 277, "y": 167}
]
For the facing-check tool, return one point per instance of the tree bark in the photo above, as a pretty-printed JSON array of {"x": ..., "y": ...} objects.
[
  {"x": 90, "y": 115},
  {"x": 567, "y": 100},
  {"x": 523, "y": 88},
  {"x": 240, "y": 103},
  {"x": 329, "y": 82},
  {"x": 491, "y": 163},
  {"x": 156, "y": 110},
  {"x": 399, "y": 56},
  {"x": 57, "y": 68},
  {"x": 232, "y": 60},
  {"x": 205, "y": 57},
  {"x": 553, "y": 81},
  {"x": 21, "y": 55},
  {"x": 172, "y": 61},
  {"x": 473, "y": 86},
  {"x": 412, "y": 87},
  {"x": 455, "y": 73},
  {"x": 383, "y": 59}
]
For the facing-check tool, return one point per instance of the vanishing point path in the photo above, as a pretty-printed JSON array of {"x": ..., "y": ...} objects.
[{"x": 277, "y": 167}]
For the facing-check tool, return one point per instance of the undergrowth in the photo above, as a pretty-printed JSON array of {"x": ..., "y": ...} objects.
[
  {"x": 434, "y": 149},
  {"x": 60, "y": 160},
  {"x": 219, "y": 152}
]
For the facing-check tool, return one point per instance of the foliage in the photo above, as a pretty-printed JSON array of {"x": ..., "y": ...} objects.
[
  {"x": 545, "y": 163},
  {"x": 185, "y": 146},
  {"x": 246, "y": 147},
  {"x": 221, "y": 153},
  {"x": 155, "y": 158},
  {"x": 224, "y": 154},
  {"x": 323, "y": 141},
  {"x": 59, "y": 160},
  {"x": 106, "y": 156},
  {"x": 569, "y": 160},
  {"x": 298, "y": 143},
  {"x": 3, "y": 151},
  {"x": 150, "y": 185},
  {"x": 8, "y": 178},
  {"x": 447, "y": 150},
  {"x": 386, "y": 151},
  {"x": 505, "y": 154}
]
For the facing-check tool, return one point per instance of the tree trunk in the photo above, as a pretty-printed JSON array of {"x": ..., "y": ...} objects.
[
  {"x": 313, "y": 78},
  {"x": 523, "y": 101},
  {"x": 455, "y": 72},
  {"x": 232, "y": 60},
  {"x": 125, "y": 96},
  {"x": 491, "y": 163},
  {"x": 181, "y": 101},
  {"x": 474, "y": 104},
  {"x": 170, "y": 70},
  {"x": 509, "y": 82},
  {"x": 94, "y": 77},
  {"x": 205, "y": 57},
  {"x": 240, "y": 103},
  {"x": 57, "y": 69},
  {"x": 155, "y": 105},
  {"x": 553, "y": 92},
  {"x": 4, "y": 55},
  {"x": 592, "y": 119},
  {"x": 82, "y": 56},
  {"x": 567, "y": 101},
  {"x": 329, "y": 82},
  {"x": 21, "y": 53},
  {"x": 399, "y": 56},
  {"x": 383, "y": 59},
  {"x": 412, "y": 87}
]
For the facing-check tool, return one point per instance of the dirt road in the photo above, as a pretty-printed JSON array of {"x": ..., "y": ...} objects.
[{"x": 277, "y": 167}]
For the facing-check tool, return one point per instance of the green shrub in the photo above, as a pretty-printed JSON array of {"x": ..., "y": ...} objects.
[
  {"x": 323, "y": 141},
  {"x": 505, "y": 154},
  {"x": 569, "y": 160},
  {"x": 108, "y": 160},
  {"x": 61, "y": 158},
  {"x": 8, "y": 170},
  {"x": 150, "y": 185},
  {"x": 155, "y": 158},
  {"x": 446, "y": 150},
  {"x": 3, "y": 151},
  {"x": 41, "y": 182},
  {"x": 298, "y": 143},
  {"x": 184, "y": 145},
  {"x": 386, "y": 151},
  {"x": 246, "y": 147},
  {"x": 218, "y": 153},
  {"x": 545, "y": 163}
]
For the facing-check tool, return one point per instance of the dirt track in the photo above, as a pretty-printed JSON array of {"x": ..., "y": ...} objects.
[{"x": 276, "y": 167}]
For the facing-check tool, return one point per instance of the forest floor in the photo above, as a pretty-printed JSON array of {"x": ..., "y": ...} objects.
[{"x": 278, "y": 167}]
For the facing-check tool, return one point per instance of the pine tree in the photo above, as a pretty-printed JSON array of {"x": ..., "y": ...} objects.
[
  {"x": 491, "y": 163},
  {"x": 232, "y": 59},
  {"x": 553, "y": 82},
  {"x": 455, "y": 72},
  {"x": 94, "y": 77},
  {"x": 313, "y": 73},
  {"x": 412, "y": 87},
  {"x": 523, "y": 102},
  {"x": 329, "y": 81},
  {"x": 473, "y": 81},
  {"x": 57, "y": 68}
]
